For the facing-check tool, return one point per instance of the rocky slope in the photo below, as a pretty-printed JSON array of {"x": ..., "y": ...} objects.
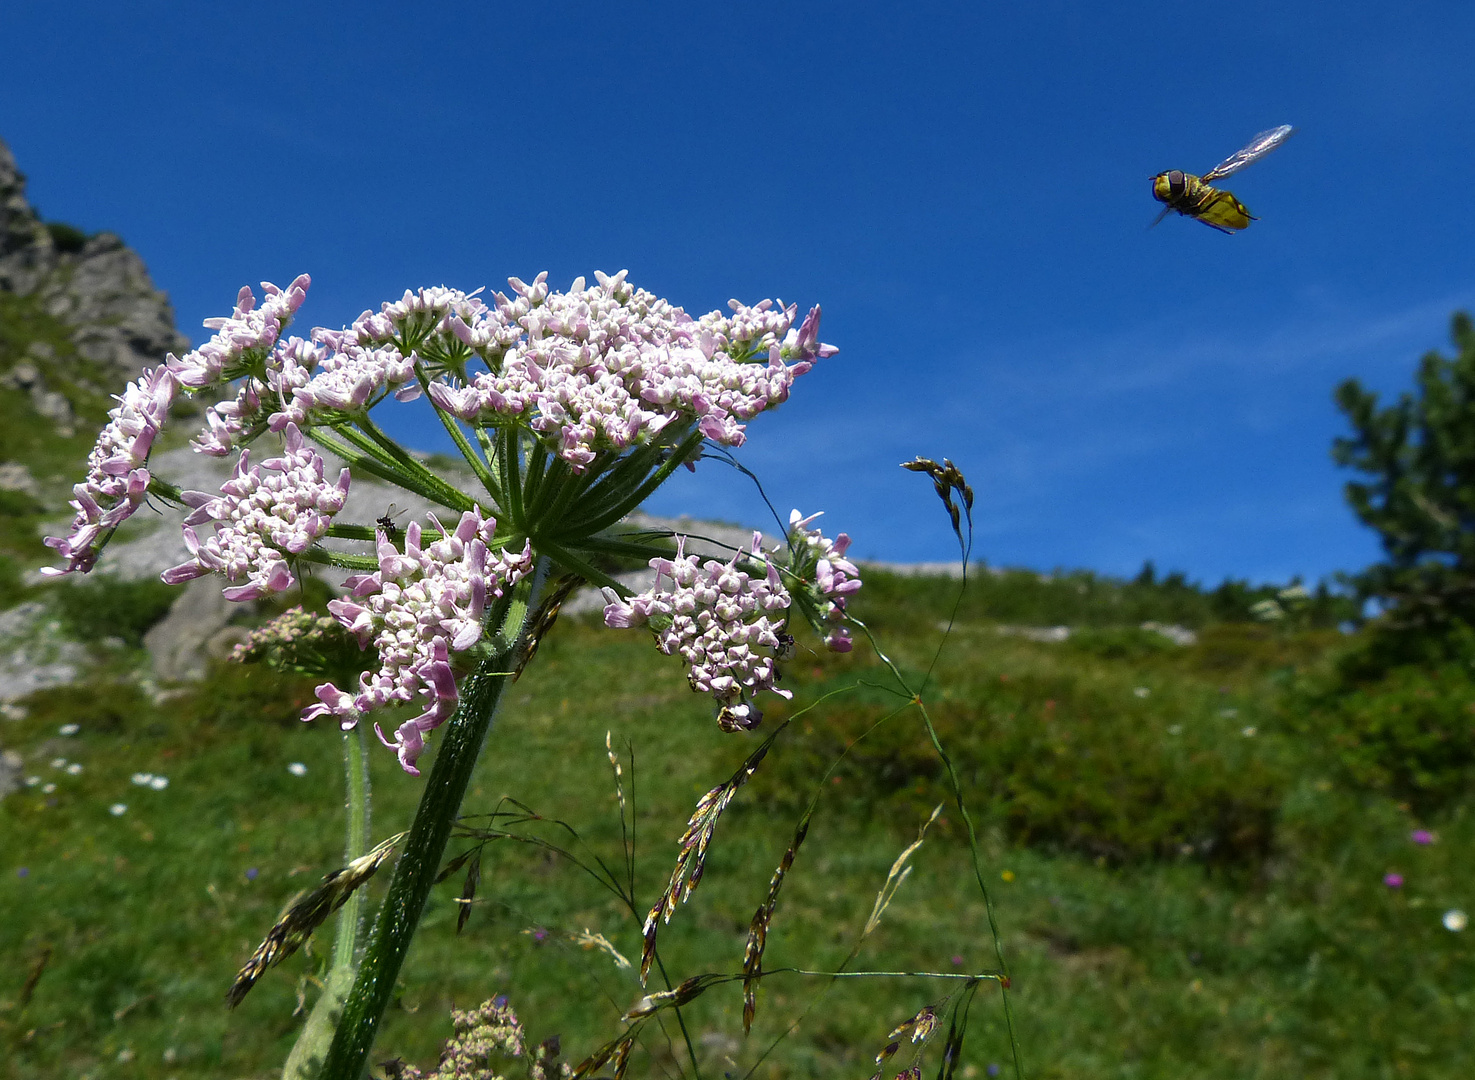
[{"x": 95, "y": 285}]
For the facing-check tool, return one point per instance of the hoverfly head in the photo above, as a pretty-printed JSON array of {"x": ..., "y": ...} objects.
[{"x": 1167, "y": 186}]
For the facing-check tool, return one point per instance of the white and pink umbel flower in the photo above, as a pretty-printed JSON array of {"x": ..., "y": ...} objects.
[
  {"x": 262, "y": 516},
  {"x": 419, "y": 607},
  {"x": 722, "y": 619},
  {"x": 729, "y": 621},
  {"x": 117, "y": 469},
  {"x": 830, "y": 577}
]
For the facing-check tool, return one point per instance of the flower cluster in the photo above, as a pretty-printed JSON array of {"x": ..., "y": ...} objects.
[
  {"x": 117, "y": 473},
  {"x": 419, "y": 607},
  {"x": 243, "y": 338},
  {"x": 726, "y": 623},
  {"x": 485, "y": 1038},
  {"x": 263, "y": 515},
  {"x": 610, "y": 366},
  {"x": 347, "y": 379},
  {"x": 828, "y": 577}
]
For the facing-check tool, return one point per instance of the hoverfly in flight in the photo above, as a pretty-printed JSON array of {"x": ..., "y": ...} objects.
[{"x": 1193, "y": 196}]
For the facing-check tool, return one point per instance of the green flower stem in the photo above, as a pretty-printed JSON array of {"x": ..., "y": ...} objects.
[
  {"x": 460, "y": 745},
  {"x": 372, "y": 441},
  {"x": 356, "y": 843},
  {"x": 566, "y": 486},
  {"x": 537, "y": 467},
  {"x": 371, "y": 464},
  {"x": 573, "y": 563},
  {"x": 509, "y": 462},
  {"x": 362, "y": 563},
  {"x": 317, "y": 1034},
  {"x": 468, "y": 451},
  {"x": 613, "y": 514}
]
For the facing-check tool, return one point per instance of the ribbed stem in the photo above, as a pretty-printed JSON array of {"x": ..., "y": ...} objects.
[{"x": 317, "y": 1034}]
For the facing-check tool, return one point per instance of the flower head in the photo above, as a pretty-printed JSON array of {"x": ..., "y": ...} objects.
[
  {"x": 117, "y": 474},
  {"x": 829, "y": 579},
  {"x": 420, "y": 606},
  {"x": 726, "y": 620},
  {"x": 263, "y": 516},
  {"x": 606, "y": 367},
  {"x": 242, "y": 338}
]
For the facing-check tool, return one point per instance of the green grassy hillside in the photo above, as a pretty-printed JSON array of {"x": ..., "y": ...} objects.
[{"x": 1188, "y": 859}]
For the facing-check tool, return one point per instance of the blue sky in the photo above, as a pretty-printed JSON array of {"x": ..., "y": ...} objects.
[{"x": 963, "y": 187}]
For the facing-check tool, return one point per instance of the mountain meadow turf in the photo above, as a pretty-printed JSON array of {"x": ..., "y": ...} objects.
[{"x": 1185, "y": 849}]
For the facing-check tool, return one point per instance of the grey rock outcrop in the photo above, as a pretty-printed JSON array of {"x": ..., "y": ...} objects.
[{"x": 99, "y": 288}]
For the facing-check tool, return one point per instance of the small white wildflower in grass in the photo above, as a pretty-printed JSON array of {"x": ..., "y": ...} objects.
[
  {"x": 118, "y": 809},
  {"x": 59, "y": 763},
  {"x": 1229, "y": 714},
  {"x": 125, "y": 1055},
  {"x": 32, "y": 781},
  {"x": 1250, "y": 732},
  {"x": 1175, "y": 729},
  {"x": 297, "y": 769},
  {"x": 142, "y": 779},
  {"x": 1455, "y": 920},
  {"x": 1142, "y": 691},
  {"x": 47, "y": 789},
  {"x": 12, "y": 711},
  {"x": 159, "y": 783},
  {"x": 69, "y": 729},
  {"x": 74, "y": 768}
]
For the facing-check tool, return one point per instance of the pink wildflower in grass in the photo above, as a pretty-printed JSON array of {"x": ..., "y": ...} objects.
[
  {"x": 419, "y": 607},
  {"x": 1393, "y": 881},
  {"x": 724, "y": 620},
  {"x": 1421, "y": 836},
  {"x": 117, "y": 474},
  {"x": 263, "y": 516}
]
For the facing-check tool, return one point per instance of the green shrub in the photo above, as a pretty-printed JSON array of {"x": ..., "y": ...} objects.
[
  {"x": 1059, "y": 759},
  {"x": 1409, "y": 734},
  {"x": 1078, "y": 598},
  {"x": 103, "y": 607},
  {"x": 68, "y": 239},
  {"x": 109, "y": 709},
  {"x": 242, "y": 695}
]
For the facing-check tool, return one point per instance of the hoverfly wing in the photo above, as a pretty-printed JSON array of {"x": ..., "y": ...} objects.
[{"x": 1257, "y": 148}]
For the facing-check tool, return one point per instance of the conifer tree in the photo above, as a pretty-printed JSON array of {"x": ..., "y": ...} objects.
[{"x": 1418, "y": 457}]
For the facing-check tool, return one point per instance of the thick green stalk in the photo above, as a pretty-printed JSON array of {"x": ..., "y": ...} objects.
[
  {"x": 317, "y": 1034},
  {"x": 460, "y": 745}
]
